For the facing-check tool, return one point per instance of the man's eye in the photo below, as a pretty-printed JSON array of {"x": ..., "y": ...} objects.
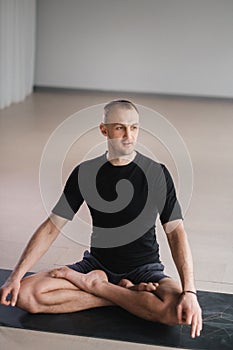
[{"x": 119, "y": 128}]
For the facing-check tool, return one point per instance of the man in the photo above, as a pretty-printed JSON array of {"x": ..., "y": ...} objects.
[{"x": 125, "y": 191}]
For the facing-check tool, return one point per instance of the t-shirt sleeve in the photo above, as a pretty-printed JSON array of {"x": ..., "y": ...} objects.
[
  {"x": 71, "y": 198},
  {"x": 168, "y": 207}
]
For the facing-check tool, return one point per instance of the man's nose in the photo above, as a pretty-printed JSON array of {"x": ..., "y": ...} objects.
[{"x": 128, "y": 132}]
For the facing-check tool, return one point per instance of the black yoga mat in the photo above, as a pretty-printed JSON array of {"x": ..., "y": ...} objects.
[{"x": 117, "y": 324}]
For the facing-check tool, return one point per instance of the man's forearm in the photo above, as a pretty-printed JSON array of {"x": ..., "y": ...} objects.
[
  {"x": 36, "y": 247},
  {"x": 182, "y": 256},
  {"x": 188, "y": 307}
]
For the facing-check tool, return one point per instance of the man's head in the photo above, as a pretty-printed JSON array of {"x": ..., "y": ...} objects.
[
  {"x": 120, "y": 125},
  {"x": 117, "y": 104}
]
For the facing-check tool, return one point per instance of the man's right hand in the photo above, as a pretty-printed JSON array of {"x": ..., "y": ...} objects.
[{"x": 10, "y": 287}]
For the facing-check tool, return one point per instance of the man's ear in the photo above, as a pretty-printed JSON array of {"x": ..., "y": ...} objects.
[{"x": 103, "y": 129}]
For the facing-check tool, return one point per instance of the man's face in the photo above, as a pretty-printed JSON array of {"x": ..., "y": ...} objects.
[{"x": 121, "y": 130}]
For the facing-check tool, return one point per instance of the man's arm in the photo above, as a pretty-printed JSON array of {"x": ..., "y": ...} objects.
[
  {"x": 188, "y": 307},
  {"x": 38, "y": 245}
]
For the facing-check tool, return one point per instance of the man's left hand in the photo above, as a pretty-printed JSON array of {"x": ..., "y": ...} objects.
[{"x": 189, "y": 312}]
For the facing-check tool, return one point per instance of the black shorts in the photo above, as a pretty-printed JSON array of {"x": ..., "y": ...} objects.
[{"x": 145, "y": 273}]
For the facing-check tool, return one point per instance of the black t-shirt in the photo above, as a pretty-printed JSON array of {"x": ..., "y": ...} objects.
[{"x": 124, "y": 202}]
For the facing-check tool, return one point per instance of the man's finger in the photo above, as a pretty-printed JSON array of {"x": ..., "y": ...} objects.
[
  {"x": 179, "y": 313},
  {"x": 189, "y": 316},
  {"x": 4, "y": 300},
  {"x": 14, "y": 297},
  {"x": 199, "y": 325},
  {"x": 194, "y": 327}
]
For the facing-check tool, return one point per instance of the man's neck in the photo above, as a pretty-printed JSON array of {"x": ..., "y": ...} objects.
[{"x": 121, "y": 160}]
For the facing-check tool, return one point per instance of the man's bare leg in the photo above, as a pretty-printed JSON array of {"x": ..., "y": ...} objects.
[
  {"x": 40, "y": 293},
  {"x": 159, "y": 306}
]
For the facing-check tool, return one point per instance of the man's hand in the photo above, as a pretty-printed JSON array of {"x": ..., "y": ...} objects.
[
  {"x": 189, "y": 312},
  {"x": 9, "y": 287}
]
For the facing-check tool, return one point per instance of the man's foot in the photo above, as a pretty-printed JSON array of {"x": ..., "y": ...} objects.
[
  {"x": 83, "y": 281},
  {"x": 147, "y": 287},
  {"x": 86, "y": 281},
  {"x": 60, "y": 272}
]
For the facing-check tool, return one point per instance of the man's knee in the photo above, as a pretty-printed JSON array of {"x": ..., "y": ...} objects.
[
  {"x": 166, "y": 313},
  {"x": 27, "y": 298},
  {"x": 169, "y": 312}
]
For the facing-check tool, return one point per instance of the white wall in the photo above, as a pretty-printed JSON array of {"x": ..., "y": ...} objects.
[
  {"x": 159, "y": 46},
  {"x": 17, "y": 50}
]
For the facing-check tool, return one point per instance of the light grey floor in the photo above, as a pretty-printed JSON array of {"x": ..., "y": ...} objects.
[{"x": 205, "y": 125}]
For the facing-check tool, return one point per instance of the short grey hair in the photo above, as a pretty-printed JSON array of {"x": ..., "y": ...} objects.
[{"x": 118, "y": 103}]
